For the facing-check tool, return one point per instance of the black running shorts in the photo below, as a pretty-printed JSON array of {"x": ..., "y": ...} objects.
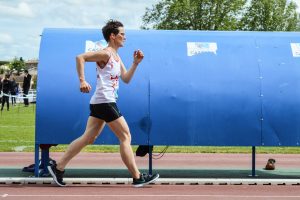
[{"x": 105, "y": 111}]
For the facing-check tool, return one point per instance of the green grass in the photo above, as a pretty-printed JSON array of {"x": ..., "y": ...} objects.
[{"x": 17, "y": 128}]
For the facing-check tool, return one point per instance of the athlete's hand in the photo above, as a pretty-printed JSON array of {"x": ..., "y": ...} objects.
[
  {"x": 85, "y": 87},
  {"x": 138, "y": 56}
]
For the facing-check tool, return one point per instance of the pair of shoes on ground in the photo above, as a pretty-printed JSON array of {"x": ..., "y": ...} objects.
[{"x": 144, "y": 179}]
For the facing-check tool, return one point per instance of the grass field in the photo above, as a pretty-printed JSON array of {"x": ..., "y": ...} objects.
[{"x": 17, "y": 128}]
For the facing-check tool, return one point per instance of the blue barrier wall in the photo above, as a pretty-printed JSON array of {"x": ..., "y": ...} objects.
[{"x": 192, "y": 88}]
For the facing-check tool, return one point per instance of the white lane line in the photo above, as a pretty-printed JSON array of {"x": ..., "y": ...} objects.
[
  {"x": 4, "y": 195},
  {"x": 221, "y": 196}
]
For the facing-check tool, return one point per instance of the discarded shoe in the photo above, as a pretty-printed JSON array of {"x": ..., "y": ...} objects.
[{"x": 270, "y": 164}]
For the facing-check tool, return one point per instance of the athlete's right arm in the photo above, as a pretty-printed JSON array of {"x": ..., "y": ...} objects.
[{"x": 97, "y": 56}]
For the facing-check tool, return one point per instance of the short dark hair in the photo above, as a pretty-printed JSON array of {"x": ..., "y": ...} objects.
[
  {"x": 111, "y": 27},
  {"x": 26, "y": 71}
]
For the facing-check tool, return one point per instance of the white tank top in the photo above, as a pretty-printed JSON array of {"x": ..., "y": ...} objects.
[{"x": 107, "y": 82}]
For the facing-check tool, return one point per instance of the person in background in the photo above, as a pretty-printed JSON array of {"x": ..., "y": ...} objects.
[
  {"x": 26, "y": 87},
  {"x": 14, "y": 91},
  {"x": 6, "y": 87},
  {"x": 0, "y": 90}
]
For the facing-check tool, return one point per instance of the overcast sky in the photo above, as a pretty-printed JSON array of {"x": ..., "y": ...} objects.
[{"x": 22, "y": 21}]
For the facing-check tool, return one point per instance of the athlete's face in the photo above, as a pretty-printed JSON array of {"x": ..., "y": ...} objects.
[{"x": 120, "y": 37}]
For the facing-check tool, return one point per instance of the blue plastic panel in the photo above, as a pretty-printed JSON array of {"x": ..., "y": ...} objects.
[
  {"x": 206, "y": 99},
  {"x": 280, "y": 86},
  {"x": 192, "y": 88}
]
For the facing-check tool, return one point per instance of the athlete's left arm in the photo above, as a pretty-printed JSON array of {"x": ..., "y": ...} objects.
[{"x": 126, "y": 76}]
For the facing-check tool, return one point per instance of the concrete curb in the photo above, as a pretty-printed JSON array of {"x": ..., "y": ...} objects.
[{"x": 161, "y": 181}]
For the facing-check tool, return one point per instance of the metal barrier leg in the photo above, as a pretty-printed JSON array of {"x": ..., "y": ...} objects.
[
  {"x": 45, "y": 160},
  {"x": 253, "y": 161},
  {"x": 150, "y": 160},
  {"x": 36, "y": 160}
]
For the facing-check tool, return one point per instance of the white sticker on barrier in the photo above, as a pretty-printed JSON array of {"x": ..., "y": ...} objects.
[
  {"x": 95, "y": 46},
  {"x": 194, "y": 48},
  {"x": 295, "y": 49}
]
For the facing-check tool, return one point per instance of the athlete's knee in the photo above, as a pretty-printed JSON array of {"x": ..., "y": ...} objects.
[
  {"x": 125, "y": 137},
  {"x": 88, "y": 139}
]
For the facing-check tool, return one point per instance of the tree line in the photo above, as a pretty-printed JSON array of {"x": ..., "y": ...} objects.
[{"x": 244, "y": 15}]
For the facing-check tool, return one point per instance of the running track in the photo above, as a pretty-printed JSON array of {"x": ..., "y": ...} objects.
[{"x": 155, "y": 192}]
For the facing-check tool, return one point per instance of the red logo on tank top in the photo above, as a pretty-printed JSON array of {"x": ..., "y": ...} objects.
[{"x": 114, "y": 78}]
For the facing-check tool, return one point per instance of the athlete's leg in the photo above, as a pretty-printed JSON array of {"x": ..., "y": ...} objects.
[
  {"x": 93, "y": 129},
  {"x": 121, "y": 129}
]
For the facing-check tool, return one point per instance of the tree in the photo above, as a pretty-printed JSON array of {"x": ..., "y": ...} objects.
[
  {"x": 194, "y": 15},
  {"x": 252, "y": 15},
  {"x": 298, "y": 26},
  {"x": 17, "y": 64},
  {"x": 270, "y": 15}
]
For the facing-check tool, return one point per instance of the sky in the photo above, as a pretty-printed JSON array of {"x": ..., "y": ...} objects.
[{"x": 22, "y": 21}]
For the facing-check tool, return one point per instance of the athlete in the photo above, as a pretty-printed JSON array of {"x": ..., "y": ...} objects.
[{"x": 103, "y": 107}]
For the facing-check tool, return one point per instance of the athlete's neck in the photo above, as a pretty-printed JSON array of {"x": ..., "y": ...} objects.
[
  {"x": 113, "y": 50},
  {"x": 113, "y": 47}
]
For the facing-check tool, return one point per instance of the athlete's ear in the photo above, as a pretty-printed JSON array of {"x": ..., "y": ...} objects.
[{"x": 112, "y": 36}]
